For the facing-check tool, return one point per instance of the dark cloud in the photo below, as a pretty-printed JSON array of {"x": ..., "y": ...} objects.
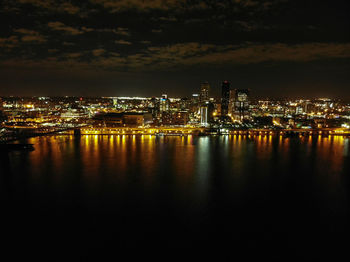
[
  {"x": 122, "y": 31},
  {"x": 59, "y": 26},
  {"x": 157, "y": 30},
  {"x": 153, "y": 36},
  {"x": 123, "y": 42},
  {"x": 192, "y": 54},
  {"x": 98, "y": 52},
  {"x": 29, "y": 35},
  {"x": 8, "y": 42},
  {"x": 57, "y": 6}
]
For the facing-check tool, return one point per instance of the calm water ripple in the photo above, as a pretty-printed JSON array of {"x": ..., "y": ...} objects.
[{"x": 232, "y": 192}]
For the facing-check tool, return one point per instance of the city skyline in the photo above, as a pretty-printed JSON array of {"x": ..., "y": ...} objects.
[
  {"x": 146, "y": 128},
  {"x": 140, "y": 48},
  {"x": 217, "y": 96}
]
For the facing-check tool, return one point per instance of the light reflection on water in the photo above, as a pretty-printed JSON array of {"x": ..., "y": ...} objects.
[
  {"x": 200, "y": 184},
  {"x": 186, "y": 158}
]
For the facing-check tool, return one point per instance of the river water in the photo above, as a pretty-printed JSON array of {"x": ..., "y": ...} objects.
[{"x": 262, "y": 196}]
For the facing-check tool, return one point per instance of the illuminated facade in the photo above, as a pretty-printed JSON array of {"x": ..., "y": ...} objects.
[
  {"x": 42, "y": 113},
  {"x": 204, "y": 115},
  {"x": 164, "y": 104},
  {"x": 241, "y": 105}
]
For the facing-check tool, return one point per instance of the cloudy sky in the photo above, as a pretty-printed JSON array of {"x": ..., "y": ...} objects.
[{"x": 276, "y": 48}]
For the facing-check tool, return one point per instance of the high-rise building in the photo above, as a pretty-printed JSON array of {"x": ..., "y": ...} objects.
[
  {"x": 231, "y": 105},
  {"x": 204, "y": 115},
  {"x": 194, "y": 105},
  {"x": 164, "y": 104},
  {"x": 195, "y": 99},
  {"x": 204, "y": 94},
  {"x": 241, "y": 104},
  {"x": 225, "y": 97}
]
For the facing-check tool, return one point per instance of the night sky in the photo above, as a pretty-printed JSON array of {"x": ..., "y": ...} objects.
[{"x": 277, "y": 48}]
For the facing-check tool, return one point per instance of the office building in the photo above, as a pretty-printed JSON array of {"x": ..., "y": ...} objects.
[
  {"x": 225, "y": 98},
  {"x": 164, "y": 104},
  {"x": 241, "y": 105},
  {"x": 204, "y": 94},
  {"x": 204, "y": 115}
]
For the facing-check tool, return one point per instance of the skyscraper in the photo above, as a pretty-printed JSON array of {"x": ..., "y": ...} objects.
[
  {"x": 164, "y": 104},
  {"x": 204, "y": 115},
  {"x": 204, "y": 94},
  {"x": 225, "y": 97},
  {"x": 195, "y": 99},
  {"x": 241, "y": 104}
]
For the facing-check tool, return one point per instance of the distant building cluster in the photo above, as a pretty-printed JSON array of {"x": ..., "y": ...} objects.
[{"x": 234, "y": 109}]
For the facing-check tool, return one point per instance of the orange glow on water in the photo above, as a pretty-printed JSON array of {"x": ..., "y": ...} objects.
[{"x": 111, "y": 158}]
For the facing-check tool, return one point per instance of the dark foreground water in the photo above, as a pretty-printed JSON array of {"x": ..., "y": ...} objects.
[{"x": 233, "y": 196}]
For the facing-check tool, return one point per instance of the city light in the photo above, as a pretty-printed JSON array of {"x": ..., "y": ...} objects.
[{"x": 199, "y": 115}]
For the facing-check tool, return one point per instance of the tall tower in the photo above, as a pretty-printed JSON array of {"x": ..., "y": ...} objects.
[
  {"x": 241, "y": 104},
  {"x": 204, "y": 94},
  {"x": 204, "y": 115},
  {"x": 225, "y": 97},
  {"x": 164, "y": 104}
]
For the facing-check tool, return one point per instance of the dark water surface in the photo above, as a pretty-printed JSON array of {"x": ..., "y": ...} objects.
[{"x": 265, "y": 197}]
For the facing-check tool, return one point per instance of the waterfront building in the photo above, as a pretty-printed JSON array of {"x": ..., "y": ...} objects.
[
  {"x": 164, "y": 104},
  {"x": 130, "y": 119},
  {"x": 225, "y": 98},
  {"x": 179, "y": 118},
  {"x": 194, "y": 104},
  {"x": 204, "y": 115},
  {"x": 241, "y": 105},
  {"x": 135, "y": 119},
  {"x": 108, "y": 119},
  {"x": 207, "y": 113}
]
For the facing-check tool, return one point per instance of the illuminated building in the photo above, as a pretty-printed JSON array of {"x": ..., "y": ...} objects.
[
  {"x": 164, "y": 104},
  {"x": 179, "y": 118},
  {"x": 204, "y": 115},
  {"x": 225, "y": 97},
  {"x": 195, "y": 98},
  {"x": 136, "y": 119},
  {"x": 122, "y": 119},
  {"x": 120, "y": 112},
  {"x": 70, "y": 114},
  {"x": 241, "y": 104},
  {"x": 109, "y": 119},
  {"x": 204, "y": 94},
  {"x": 194, "y": 106}
]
